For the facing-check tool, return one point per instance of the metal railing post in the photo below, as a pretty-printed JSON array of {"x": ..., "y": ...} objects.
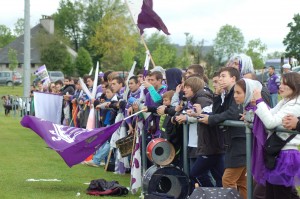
[
  {"x": 185, "y": 149},
  {"x": 248, "y": 161}
]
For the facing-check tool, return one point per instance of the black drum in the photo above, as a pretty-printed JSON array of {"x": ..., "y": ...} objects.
[{"x": 166, "y": 180}]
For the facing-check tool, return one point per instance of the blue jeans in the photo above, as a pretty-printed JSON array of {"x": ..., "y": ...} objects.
[
  {"x": 101, "y": 153},
  {"x": 274, "y": 99},
  {"x": 204, "y": 165}
]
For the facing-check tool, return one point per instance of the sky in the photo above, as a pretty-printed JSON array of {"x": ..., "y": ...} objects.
[{"x": 263, "y": 19}]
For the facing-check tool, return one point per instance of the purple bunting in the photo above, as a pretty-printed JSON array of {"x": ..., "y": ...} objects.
[
  {"x": 73, "y": 144},
  {"x": 149, "y": 19}
]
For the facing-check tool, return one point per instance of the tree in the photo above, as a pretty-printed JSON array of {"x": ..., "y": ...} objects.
[
  {"x": 185, "y": 59},
  {"x": 5, "y": 36},
  {"x": 229, "y": 40},
  {"x": 13, "y": 59},
  {"x": 212, "y": 64},
  {"x": 275, "y": 55},
  {"x": 292, "y": 40},
  {"x": 19, "y": 27},
  {"x": 56, "y": 57},
  {"x": 68, "y": 20},
  {"x": 113, "y": 35},
  {"x": 83, "y": 62},
  {"x": 127, "y": 59},
  {"x": 161, "y": 49},
  {"x": 255, "y": 50}
]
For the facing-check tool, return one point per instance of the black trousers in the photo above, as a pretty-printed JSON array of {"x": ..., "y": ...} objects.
[{"x": 280, "y": 192}]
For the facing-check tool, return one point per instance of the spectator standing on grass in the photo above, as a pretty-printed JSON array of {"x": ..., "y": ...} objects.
[
  {"x": 6, "y": 104},
  {"x": 273, "y": 85},
  {"x": 286, "y": 68}
]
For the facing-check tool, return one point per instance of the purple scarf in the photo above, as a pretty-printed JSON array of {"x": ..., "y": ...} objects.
[{"x": 259, "y": 139}]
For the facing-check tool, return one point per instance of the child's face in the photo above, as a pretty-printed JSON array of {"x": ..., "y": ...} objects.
[
  {"x": 109, "y": 94},
  {"x": 103, "y": 88},
  {"x": 239, "y": 94},
  {"x": 166, "y": 101},
  {"x": 188, "y": 91}
]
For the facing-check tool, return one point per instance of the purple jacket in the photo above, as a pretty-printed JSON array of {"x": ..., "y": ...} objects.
[{"x": 273, "y": 83}]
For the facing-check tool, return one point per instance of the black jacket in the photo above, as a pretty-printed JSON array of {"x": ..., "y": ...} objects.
[
  {"x": 210, "y": 142},
  {"x": 235, "y": 137}
]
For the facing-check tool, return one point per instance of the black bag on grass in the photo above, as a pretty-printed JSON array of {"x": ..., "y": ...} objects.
[{"x": 101, "y": 187}]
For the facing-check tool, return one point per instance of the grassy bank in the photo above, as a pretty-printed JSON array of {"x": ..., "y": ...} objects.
[{"x": 25, "y": 156}]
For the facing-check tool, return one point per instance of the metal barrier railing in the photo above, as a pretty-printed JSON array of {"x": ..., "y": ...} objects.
[
  {"x": 18, "y": 106},
  {"x": 249, "y": 148}
]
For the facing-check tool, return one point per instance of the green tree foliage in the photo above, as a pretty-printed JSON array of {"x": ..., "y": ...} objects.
[
  {"x": 229, "y": 40},
  {"x": 292, "y": 40},
  {"x": 162, "y": 51},
  {"x": 113, "y": 35},
  {"x": 100, "y": 26},
  {"x": 68, "y": 20},
  {"x": 94, "y": 11},
  {"x": 6, "y": 36},
  {"x": 127, "y": 59},
  {"x": 212, "y": 64},
  {"x": 13, "y": 59},
  {"x": 19, "y": 27},
  {"x": 255, "y": 50},
  {"x": 56, "y": 57},
  {"x": 83, "y": 62},
  {"x": 275, "y": 55},
  {"x": 186, "y": 59}
]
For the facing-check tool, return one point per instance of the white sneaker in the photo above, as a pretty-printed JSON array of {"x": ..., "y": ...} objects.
[{"x": 91, "y": 163}]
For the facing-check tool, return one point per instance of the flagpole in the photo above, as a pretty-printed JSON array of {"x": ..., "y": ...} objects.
[{"x": 141, "y": 36}]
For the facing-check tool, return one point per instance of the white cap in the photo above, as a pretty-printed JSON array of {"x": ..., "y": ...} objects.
[
  {"x": 286, "y": 66},
  {"x": 160, "y": 69}
]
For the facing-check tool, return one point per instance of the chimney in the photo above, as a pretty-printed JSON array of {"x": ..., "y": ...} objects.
[{"x": 47, "y": 23}]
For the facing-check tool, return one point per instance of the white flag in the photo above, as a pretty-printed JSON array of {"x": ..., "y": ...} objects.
[{"x": 48, "y": 106}]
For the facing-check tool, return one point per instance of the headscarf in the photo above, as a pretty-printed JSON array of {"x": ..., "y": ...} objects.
[
  {"x": 245, "y": 63},
  {"x": 250, "y": 86}
]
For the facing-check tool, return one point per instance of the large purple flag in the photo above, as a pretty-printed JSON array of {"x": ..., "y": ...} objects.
[
  {"x": 149, "y": 19},
  {"x": 73, "y": 144}
]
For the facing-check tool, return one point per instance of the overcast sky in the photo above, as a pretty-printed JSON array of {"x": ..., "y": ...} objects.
[{"x": 264, "y": 19}]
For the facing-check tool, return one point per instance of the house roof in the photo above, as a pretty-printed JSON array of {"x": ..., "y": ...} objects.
[
  {"x": 18, "y": 45},
  {"x": 35, "y": 54}
]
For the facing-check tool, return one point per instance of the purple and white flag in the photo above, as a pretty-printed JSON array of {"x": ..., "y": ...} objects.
[
  {"x": 73, "y": 144},
  {"x": 136, "y": 166},
  {"x": 48, "y": 106},
  {"x": 43, "y": 75}
]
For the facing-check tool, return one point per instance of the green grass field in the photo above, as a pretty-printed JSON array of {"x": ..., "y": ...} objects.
[{"x": 24, "y": 156}]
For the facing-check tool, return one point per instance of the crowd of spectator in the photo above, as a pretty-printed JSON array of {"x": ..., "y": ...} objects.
[{"x": 173, "y": 97}]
